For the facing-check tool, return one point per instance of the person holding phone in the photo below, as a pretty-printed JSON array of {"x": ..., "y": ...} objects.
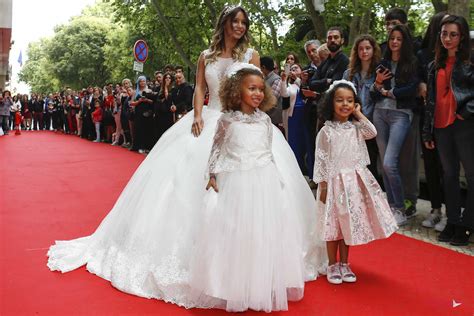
[
  {"x": 394, "y": 93},
  {"x": 297, "y": 135}
]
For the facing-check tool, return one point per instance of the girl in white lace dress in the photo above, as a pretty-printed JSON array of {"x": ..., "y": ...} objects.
[
  {"x": 352, "y": 207},
  {"x": 249, "y": 252}
]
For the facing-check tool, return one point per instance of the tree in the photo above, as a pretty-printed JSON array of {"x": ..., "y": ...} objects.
[
  {"x": 77, "y": 50},
  {"x": 38, "y": 70}
]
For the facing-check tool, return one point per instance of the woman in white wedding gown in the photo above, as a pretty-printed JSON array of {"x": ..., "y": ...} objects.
[{"x": 143, "y": 246}]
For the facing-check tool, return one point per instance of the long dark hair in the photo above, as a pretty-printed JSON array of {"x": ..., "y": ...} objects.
[
  {"x": 464, "y": 49},
  {"x": 407, "y": 62},
  {"x": 432, "y": 32},
  {"x": 355, "y": 64}
]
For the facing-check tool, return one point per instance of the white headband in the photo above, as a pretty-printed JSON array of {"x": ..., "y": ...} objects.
[
  {"x": 236, "y": 67},
  {"x": 337, "y": 82}
]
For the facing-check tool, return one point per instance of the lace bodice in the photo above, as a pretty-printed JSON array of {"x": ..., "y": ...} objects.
[
  {"x": 341, "y": 146},
  {"x": 214, "y": 73},
  {"x": 241, "y": 142}
]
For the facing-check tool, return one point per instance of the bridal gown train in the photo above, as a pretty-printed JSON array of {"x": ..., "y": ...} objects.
[{"x": 144, "y": 245}]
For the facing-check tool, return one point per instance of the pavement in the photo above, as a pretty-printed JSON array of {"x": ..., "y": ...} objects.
[{"x": 414, "y": 230}]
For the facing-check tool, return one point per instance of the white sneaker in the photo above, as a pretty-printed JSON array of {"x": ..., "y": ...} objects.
[
  {"x": 333, "y": 274},
  {"x": 347, "y": 274},
  {"x": 431, "y": 220},
  {"x": 442, "y": 224},
  {"x": 399, "y": 216}
]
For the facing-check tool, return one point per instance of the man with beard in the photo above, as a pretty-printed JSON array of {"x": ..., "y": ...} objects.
[{"x": 333, "y": 68}]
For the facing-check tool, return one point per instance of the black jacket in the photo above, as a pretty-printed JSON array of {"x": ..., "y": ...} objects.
[
  {"x": 462, "y": 83},
  {"x": 332, "y": 68},
  {"x": 182, "y": 97},
  {"x": 404, "y": 90}
]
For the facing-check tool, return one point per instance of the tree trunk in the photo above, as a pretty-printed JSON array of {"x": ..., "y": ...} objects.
[
  {"x": 174, "y": 37},
  {"x": 439, "y": 5},
  {"x": 317, "y": 19},
  {"x": 459, "y": 7}
]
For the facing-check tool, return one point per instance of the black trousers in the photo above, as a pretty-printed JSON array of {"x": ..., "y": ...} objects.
[
  {"x": 455, "y": 145},
  {"x": 433, "y": 174}
]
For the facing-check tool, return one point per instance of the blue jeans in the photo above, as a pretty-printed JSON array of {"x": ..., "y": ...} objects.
[
  {"x": 392, "y": 128},
  {"x": 301, "y": 142}
]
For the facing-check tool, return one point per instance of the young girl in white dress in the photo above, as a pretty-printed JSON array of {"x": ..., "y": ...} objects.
[
  {"x": 249, "y": 252},
  {"x": 352, "y": 208}
]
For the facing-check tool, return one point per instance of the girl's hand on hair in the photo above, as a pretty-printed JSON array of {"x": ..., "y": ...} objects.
[
  {"x": 357, "y": 112},
  {"x": 198, "y": 125},
  {"x": 212, "y": 184}
]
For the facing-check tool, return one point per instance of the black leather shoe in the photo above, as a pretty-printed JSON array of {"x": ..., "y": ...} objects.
[
  {"x": 461, "y": 236},
  {"x": 447, "y": 234}
]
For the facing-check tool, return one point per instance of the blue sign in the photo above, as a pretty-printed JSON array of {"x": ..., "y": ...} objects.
[{"x": 140, "y": 51}]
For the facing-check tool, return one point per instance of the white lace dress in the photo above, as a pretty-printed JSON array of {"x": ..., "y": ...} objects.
[
  {"x": 356, "y": 208},
  {"x": 144, "y": 245},
  {"x": 249, "y": 249}
]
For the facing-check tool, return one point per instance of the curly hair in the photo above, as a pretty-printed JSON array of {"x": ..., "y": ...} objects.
[
  {"x": 231, "y": 89},
  {"x": 326, "y": 104},
  {"x": 355, "y": 64},
  {"x": 218, "y": 41}
]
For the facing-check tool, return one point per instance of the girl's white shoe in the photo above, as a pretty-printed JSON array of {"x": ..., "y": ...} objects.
[
  {"x": 333, "y": 274},
  {"x": 347, "y": 274}
]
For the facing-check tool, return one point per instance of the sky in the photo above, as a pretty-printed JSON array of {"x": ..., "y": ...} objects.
[{"x": 34, "y": 19}]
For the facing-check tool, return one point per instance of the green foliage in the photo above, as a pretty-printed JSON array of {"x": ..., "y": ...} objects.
[
  {"x": 97, "y": 46},
  {"x": 38, "y": 71},
  {"x": 77, "y": 51}
]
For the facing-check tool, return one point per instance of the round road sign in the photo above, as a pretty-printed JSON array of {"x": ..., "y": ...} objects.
[{"x": 140, "y": 51}]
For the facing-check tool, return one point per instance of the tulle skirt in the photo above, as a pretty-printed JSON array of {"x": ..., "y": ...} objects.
[
  {"x": 144, "y": 245},
  {"x": 249, "y": 251}
]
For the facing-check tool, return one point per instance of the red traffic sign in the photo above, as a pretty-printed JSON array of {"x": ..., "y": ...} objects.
[{"x": 140, "y": 51}]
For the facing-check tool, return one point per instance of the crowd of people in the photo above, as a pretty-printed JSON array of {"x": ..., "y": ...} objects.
[
  {"x": 122, "y": 114},
  {"x": 403, "y": 84},
  {"x": 400, "y": 83}
]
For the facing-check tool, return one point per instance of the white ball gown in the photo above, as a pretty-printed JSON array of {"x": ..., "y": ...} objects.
[{"x": 146, "y": 244}]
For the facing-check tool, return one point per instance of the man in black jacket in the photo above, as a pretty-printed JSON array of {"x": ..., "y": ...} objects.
[
  {"x": 182, "y": 93},
  {"x": 333, "y": 68}
]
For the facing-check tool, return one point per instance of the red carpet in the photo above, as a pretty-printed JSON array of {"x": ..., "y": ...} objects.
[{"x": 60, "y": 187}]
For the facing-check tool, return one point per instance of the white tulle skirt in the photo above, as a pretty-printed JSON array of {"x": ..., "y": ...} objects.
[{"x": 153, "y": 244}]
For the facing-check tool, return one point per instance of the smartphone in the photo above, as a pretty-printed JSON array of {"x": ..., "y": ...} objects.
[
  {"x": 380, "y": 67},
  {"x": 287, "y": 69}
]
